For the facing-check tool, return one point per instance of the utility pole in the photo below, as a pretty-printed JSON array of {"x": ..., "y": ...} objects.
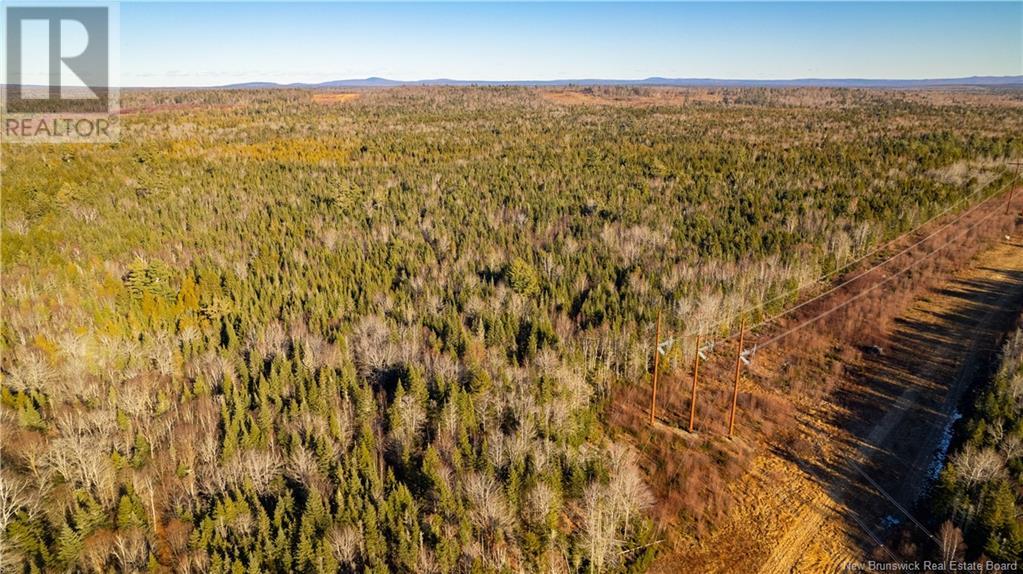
[
  {"x": 738, "y": 365},
  {"x": 657, "y": 361},
  {"x": 696, "y": 377},
  {"x": 1012, "y": 188}
]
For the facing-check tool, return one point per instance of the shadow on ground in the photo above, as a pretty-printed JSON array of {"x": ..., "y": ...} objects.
[{"x": 902, "y": 404}]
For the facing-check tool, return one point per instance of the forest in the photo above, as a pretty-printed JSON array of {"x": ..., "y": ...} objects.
[
  {"x": 980, "y": 488},
  {"x": 272, "y": 332}
]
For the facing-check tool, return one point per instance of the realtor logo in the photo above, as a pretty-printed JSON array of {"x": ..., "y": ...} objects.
[{"x": 57, "y": 74}]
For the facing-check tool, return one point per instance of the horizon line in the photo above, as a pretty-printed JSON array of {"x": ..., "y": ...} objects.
[{"x": 651, "y": 81}]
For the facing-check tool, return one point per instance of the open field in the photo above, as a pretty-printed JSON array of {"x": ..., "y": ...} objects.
[
  {"x": 334, "y": 98},
  {"x": 410, "y": 330}
]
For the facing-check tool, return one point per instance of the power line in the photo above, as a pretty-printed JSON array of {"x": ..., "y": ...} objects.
[
  {"x": 741, "y": 353},
  {"x": 876, "y": 285},
  {"x": 709, "y": 346},
  {"x": 1015, "y": 178},
  {"x": 830, "y": 274},
  {"x": 864, "y": 272},
  {"x": 849, "y": 463},
  {"x": 823, "y": 510},
  {"x": 884, "y": 493}
]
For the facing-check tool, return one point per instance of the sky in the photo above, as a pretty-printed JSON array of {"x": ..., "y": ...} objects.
[{"x": 201, "y": 44}]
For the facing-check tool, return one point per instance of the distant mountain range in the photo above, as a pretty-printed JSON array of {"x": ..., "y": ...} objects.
[{"x": 972, "y": 81}]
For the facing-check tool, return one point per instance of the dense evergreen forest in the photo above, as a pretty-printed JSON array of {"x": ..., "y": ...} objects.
[{"x": 266, "y": 332}]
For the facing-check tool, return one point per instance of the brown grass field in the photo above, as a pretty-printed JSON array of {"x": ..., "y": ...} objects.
[{"x": 321, "y": 98}]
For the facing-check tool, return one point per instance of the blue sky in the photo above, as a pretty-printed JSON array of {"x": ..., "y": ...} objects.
[{"x": 173, "y": 44}]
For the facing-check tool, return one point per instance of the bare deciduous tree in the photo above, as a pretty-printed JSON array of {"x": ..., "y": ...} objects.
[
  {"x": 302, "y": 468},
  {"x": 598, "y": 528},
  {"x": 951, "y": 542},
  {"x": 489, "y": 510},
  {"x": 410, "y": 416},
  {"x": 996, "y": 430},
  {"x": 372, "y": 346},
  {"x": 346, "y": 544},
  {"x": 258, "y": 465},
  {"x": 32, "y": 373},
  {"x": 541, "y": 502},
  {"x": 131, "y": 550},
  {"x": 1012, "y": 447},
  {"x": 976, "y": 465},
  {"x": 608, "y": 510},
  {"x": 14, "y": 494},
  {"x": 1016, "y": 389},
  {"x": 79, "y": 456}
]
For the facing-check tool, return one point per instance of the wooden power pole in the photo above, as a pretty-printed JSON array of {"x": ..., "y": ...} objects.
[
  {"x": 696, "y": 377},
  {"x": 738, "y": 366},
  {"x": 657, "y": 361}
]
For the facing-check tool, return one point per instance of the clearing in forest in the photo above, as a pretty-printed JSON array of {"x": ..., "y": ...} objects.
[
  {"x": 334, "y": 98},
  {"x": 868, "y": 449}
]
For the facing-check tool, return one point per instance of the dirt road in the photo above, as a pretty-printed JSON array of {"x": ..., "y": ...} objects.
[
  {"x": 870, "y": 445},
  {"x": 896, "y": 408}
]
